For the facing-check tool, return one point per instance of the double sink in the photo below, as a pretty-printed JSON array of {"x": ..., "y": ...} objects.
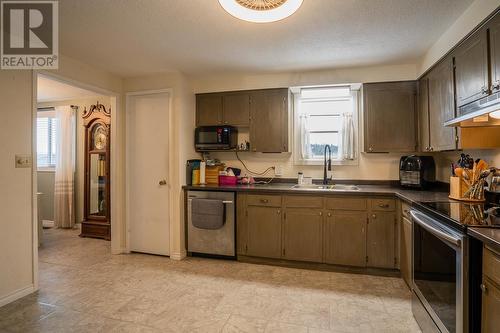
[{"x": 336, "y": 187}]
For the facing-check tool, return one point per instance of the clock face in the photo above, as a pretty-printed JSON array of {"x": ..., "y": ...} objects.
[{"x": 100, "y": 137}]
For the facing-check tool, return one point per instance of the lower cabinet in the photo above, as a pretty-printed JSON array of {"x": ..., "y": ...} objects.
[
  {"x": 345, "y": 238},
  {"x": 314, "y": 229},
  {"x": 406, "y": 250},
  {"x": 381, "y": 240},
  {"x": 303, "y": 234},
  {"x": 490, "y": 320},
  {"x": 264, "y": 231}
]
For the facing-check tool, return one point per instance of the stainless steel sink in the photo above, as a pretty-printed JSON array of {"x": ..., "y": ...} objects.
[{"x": 336, "y": 187}]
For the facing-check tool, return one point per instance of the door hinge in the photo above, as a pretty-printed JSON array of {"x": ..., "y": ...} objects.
[
  {"x": 395, "y": 261},
  {"x": 367, "y": 220},
  {"x": 283, "y": 251},
  {"x": 366, "y": 258},
  {"x": 246, "y": 248}
]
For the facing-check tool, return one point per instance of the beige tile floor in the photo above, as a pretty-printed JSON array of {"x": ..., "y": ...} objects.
[{"x": 85, "y": 289}]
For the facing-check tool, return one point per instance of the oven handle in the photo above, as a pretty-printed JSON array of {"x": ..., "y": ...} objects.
[
  {"x": 226, "y": 202},
  {"x": 436, "y": 232}
]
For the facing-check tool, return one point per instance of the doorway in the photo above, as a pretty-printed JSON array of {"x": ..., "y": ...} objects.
[
  {"x": 60, "y": 154},
  {"x": 147, "y": 192}
]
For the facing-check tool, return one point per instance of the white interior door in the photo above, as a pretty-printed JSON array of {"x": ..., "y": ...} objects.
[{"x": 147, "y": 170}]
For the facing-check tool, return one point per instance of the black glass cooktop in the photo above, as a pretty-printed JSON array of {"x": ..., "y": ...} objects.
[{"x": 468, "y": 214}]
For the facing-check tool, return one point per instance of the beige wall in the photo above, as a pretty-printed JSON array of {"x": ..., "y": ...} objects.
[
  {"x": 475, "y": 14},
  {"x": 16, "y": 239},
  {"x": 181, "y": 136},
  {"x": 82, "y": 103}
]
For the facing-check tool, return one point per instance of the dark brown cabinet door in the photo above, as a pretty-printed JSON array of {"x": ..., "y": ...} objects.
[
  {"x": 490, "y": 306},
  {"x": 269, "y": 121},
  {"x": 390, "y": 116},
  {"x": 494, "y": 30},
  {"x": 345, "y": 238},
  {"x": 423, "y": 114},
  {"x": 208, "y": 109},
  {"x": 236, "y": 109},
  {"x": 303, "y": 230},
  {"x": 471, "y": 68},
  {"x": 441, "y": 106},
  {"x": 264, "y": 231},
  {"x": 381, "y": 240},
  {"x": 406, "y": 247}
]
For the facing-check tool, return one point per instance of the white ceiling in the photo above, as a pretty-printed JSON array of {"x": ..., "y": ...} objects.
[
  {"x": 198, "y": 37},
  {"x": 49, "y": 90}
]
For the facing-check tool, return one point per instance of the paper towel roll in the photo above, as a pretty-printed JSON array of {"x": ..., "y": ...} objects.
[{"x": 203, "y": 166}]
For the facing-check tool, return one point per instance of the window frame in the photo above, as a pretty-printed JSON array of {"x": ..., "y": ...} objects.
[
  {"x": 297, "y": 147},
  {"x": 48, "y": 112}
]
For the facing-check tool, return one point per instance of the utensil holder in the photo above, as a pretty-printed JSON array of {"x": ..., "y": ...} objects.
[{"x": 458, "y": 187}]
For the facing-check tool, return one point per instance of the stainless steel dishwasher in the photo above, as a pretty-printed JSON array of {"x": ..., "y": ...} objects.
[{"x": 220, "y": 242}]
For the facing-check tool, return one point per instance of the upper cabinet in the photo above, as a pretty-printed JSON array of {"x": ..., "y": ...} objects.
[
  {"x": 423, "y": 115},
  {"x": 269, "y": 121},
  {"x": 471, "y": 68},
  {"x": 236, "y": 109},
  {"x": 441, "y": 107},
  {"x": 389, "y": 113},
  {"x": 494, "y": 32},
  {"x": 208, "y": 109},
  {"x": 264, "y": 112}
]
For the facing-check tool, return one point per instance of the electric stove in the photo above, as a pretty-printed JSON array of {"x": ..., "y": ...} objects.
[{"x": 466, "y": 214}]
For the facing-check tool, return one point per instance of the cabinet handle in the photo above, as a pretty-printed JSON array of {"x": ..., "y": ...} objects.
[
  {"x": 383, "y": 205},
  {"x": 483, "y": 287},
  {"x": 374, "y": 216},
  {"x": 495, "y": 85},
  {"x": 320, "y": 213},
  {"x": 329, "y": 214},
  {"x": 406, "y": 211},
  {"x": 278, "y": 212},
  {"x": 370, "y": 148},
  {"x": 264, "y": 200},
  {"x": 431, "y": 149},
  {"x": 484, "y": 90}
]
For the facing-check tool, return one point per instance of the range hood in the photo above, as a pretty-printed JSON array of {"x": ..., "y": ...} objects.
[{"x": 483, "y": 112}]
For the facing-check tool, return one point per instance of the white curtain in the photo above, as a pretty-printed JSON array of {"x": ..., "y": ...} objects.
[
  {"x": 348, "y": 137},
  {"x": 64, "y": 210},
  {"x": 304, "y": 137}
]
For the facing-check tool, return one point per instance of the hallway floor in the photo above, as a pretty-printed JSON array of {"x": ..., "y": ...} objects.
[{"x": 85, "y": 289}]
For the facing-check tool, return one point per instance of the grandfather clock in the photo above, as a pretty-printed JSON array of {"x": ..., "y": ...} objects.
[{"x": 97, "y": 218}]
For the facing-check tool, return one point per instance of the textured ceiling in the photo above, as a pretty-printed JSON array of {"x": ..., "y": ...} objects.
[{"x": 198, "y": 37}]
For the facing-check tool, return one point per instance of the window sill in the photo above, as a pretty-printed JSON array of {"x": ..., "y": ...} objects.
[
  {"x": 321, "y": 162},
  {"x": 46, "y": 170}
]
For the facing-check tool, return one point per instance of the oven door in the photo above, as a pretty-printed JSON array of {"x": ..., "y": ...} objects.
[{"x": 439, "y": 260}]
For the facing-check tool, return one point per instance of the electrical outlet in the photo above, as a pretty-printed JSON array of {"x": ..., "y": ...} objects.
[{"x": 278, "y": 170}]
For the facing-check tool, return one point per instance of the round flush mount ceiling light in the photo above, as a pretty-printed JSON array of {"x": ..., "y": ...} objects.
[{"x": 261, "y": 11}]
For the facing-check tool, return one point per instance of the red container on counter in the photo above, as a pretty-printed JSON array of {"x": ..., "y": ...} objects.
[{"x": 228, "y": 180}]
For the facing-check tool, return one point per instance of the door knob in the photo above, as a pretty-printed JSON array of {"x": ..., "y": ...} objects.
[{"x": 162, "y": 182}]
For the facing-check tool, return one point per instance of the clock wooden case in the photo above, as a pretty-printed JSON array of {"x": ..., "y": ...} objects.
[{"x": 97, "y": 218}]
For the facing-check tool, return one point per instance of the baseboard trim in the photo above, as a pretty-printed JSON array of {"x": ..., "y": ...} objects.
[
  {"x": 178, "y": 256},
  {"x": 17, "y": 295}
]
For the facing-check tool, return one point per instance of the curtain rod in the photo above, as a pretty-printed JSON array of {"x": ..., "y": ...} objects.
[{"x": 50, "y": 108}]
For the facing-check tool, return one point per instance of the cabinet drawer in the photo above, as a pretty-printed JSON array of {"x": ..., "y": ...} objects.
[
  {"x": 346, "y": 203},
  {"x": 264, "y": 200},
  {"x": 383, "y": 204},
  {"x": 302, "y": 201},
  {"x": 405, "y": 209},
  {"x": 491, "y": 265}
]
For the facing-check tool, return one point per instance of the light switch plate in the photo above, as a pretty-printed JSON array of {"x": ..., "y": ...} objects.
[{"x": 23, "y": 161}]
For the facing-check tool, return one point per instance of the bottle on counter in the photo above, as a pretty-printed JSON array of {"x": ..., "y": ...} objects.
[
  {"x": 300, "y": 178},
  {"x": 203, "y": 166}
]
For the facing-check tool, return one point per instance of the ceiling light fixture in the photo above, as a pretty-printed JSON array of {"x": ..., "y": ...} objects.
[{"x": 261, "y": 11}]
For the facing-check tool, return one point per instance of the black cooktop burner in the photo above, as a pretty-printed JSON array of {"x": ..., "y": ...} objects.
[{"x": 468, "y": 214}]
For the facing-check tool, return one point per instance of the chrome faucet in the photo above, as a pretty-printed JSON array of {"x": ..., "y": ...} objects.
[{"x": 327, "y": 165}]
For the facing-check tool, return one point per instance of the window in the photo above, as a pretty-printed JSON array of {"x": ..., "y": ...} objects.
[
  {"x": 46, "y": 139},
  {"x": 325, "y": 116}
]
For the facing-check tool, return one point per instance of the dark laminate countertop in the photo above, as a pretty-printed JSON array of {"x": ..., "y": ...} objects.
[
  {"x": 411, "y": 196},
  {"x": 489, "y": 236}
]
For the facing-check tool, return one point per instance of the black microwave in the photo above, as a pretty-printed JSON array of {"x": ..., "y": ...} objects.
[{"x": 208, "y": 138}]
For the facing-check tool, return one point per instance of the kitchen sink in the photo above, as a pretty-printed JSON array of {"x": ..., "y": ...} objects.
[{"x": 336, "y": 187}]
